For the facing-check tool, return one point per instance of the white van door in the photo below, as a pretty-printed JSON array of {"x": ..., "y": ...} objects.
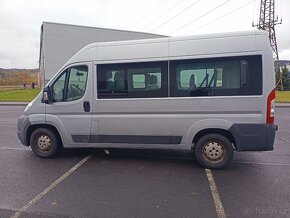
[
  {"x": 131, "y": 105},
  {"x": 71, "y": 112}
]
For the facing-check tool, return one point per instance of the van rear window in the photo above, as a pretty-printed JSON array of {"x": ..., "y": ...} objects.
[{"x": 216, "y": 76}]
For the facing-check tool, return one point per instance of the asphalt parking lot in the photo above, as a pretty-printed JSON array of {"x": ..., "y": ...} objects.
[{"x": 141, "y": 183}]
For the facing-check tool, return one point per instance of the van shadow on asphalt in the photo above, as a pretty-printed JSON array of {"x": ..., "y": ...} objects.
[{"x": 157, "y": 154}]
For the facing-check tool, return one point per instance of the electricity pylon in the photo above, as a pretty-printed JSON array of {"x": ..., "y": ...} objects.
[{"x": 267, "y": 22}]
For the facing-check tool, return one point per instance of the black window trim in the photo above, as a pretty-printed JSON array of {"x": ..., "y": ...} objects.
[
  {"x": 242, "y": 91},
  {"x": 167, "y": 66},
  {"x": 159, "y": 93},
  {"x": 66, "y": 81},
  {"x": 55, "y": 80}
]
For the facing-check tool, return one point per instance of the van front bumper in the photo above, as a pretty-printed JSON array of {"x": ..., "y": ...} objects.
[
  {"x": 22, "y": 127},
  {"x": 254, "y": 137}
]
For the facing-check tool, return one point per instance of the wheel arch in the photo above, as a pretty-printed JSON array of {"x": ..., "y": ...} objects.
[
  {"x": 52, "y": 128},
  {"x": 205, "y": 126},
  {"x": 219, "y": 131}
]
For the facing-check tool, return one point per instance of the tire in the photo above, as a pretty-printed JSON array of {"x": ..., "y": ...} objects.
[
  {"x": 44, "y": 143},
  {"x": 213, "y": 151}
]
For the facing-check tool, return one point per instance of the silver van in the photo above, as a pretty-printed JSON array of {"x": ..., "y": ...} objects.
[{"x": 210, "y": 93}]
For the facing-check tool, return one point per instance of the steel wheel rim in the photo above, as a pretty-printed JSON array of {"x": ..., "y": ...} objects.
[
  {"x": 213, "y": 151},
  {"x": 43, "y": 143}
]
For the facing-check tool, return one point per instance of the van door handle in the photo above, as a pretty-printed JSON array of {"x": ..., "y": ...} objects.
[{"x": 87, "y": 106}]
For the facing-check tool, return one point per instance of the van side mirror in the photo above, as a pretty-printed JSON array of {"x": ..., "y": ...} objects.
[{"x": 46, "y": 97}]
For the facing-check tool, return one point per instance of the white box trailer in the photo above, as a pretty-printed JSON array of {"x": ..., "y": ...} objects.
[{"x": 59, "y": 42}]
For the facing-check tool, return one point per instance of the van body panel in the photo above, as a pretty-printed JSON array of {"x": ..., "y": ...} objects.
[
  {"x": 151, "y": 48},
  {"x": 22, "y": 126},
  {"x": 170, "y": 120},
  {"x": 262, "y": 43},
  {"x": 87, "y": 54},
  {"x": 132, "y": 117},
  {"x": 33, "y": 114},
  {"x": 59, "y": 124},
  {"x": 202, "y": 124},
  {"x": 36, "y": 119},
  {"x": 224, "y": 45}
]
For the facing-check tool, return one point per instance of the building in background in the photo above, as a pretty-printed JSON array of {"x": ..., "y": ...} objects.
[{"x": 59, "y": 42}]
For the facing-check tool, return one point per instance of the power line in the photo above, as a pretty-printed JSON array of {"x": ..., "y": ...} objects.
[
  {"x": 154, "y": 9},
  {"x": 165, "y": 22},
  {"x": 192, "y": 21},
  {"x": 213, "y": 21},
  {"x": 164, "y": 13}
]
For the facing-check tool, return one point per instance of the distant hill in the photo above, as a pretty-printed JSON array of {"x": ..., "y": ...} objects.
[{"x": 2, "y": 70}]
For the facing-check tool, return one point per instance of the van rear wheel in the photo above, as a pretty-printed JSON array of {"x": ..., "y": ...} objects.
[
  {"x": 44, "y": 143},
  {"x": 213, "y": 151}
]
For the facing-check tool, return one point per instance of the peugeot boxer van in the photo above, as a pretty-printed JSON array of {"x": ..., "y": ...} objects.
[{"x": 210, "y": 93}]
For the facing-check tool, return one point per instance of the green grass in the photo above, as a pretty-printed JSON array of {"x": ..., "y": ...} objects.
[
  {"x": 283, "y": 97},
  {"x": 24, "y": 95}
]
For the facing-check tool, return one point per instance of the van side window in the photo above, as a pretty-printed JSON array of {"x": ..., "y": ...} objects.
[
  {"x": 145, "y": 78},
  {"x": 77, "y": 82},
  {"x": 112, "y": 81},
  {"x": 216, "y": 76},
  {"x": 58, "y": 88},
  {"x": 132, "y": 80},
  {"x": 70, "y": 85}
]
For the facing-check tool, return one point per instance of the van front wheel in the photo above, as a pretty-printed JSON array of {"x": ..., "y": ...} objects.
[
  {"x": 213, "y": 151},
  {"x": 44, "y": 143}
]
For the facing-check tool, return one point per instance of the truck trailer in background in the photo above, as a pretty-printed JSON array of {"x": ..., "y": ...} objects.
[{"x": 59, "y": 42}]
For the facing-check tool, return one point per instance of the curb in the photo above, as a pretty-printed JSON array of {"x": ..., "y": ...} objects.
[
  {"x": 282, "y": 105},
  {"x": 14, "y": 103}
]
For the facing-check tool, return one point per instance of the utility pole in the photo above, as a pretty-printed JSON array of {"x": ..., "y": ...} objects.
[{"x": 267, "y": 22}]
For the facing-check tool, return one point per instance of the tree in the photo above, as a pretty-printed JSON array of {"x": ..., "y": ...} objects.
[
  {"x": 278, "y": 80},
  {"x": 285, "y": 78}
]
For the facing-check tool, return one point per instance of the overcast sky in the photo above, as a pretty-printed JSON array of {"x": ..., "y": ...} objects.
[{"x": 20, "y": 21}]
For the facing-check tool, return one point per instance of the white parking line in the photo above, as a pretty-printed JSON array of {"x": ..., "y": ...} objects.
[
  {"x": 285, "y": 140},
  {"x": 215, "y": 195},
  {"x": 49, "y": 188},
  {"x": 262, "y": 163}
]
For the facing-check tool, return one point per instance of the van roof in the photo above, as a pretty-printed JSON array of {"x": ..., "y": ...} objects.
[
  {"x": 89, "y": 50},
  {"x": 178, "y": 38}
]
